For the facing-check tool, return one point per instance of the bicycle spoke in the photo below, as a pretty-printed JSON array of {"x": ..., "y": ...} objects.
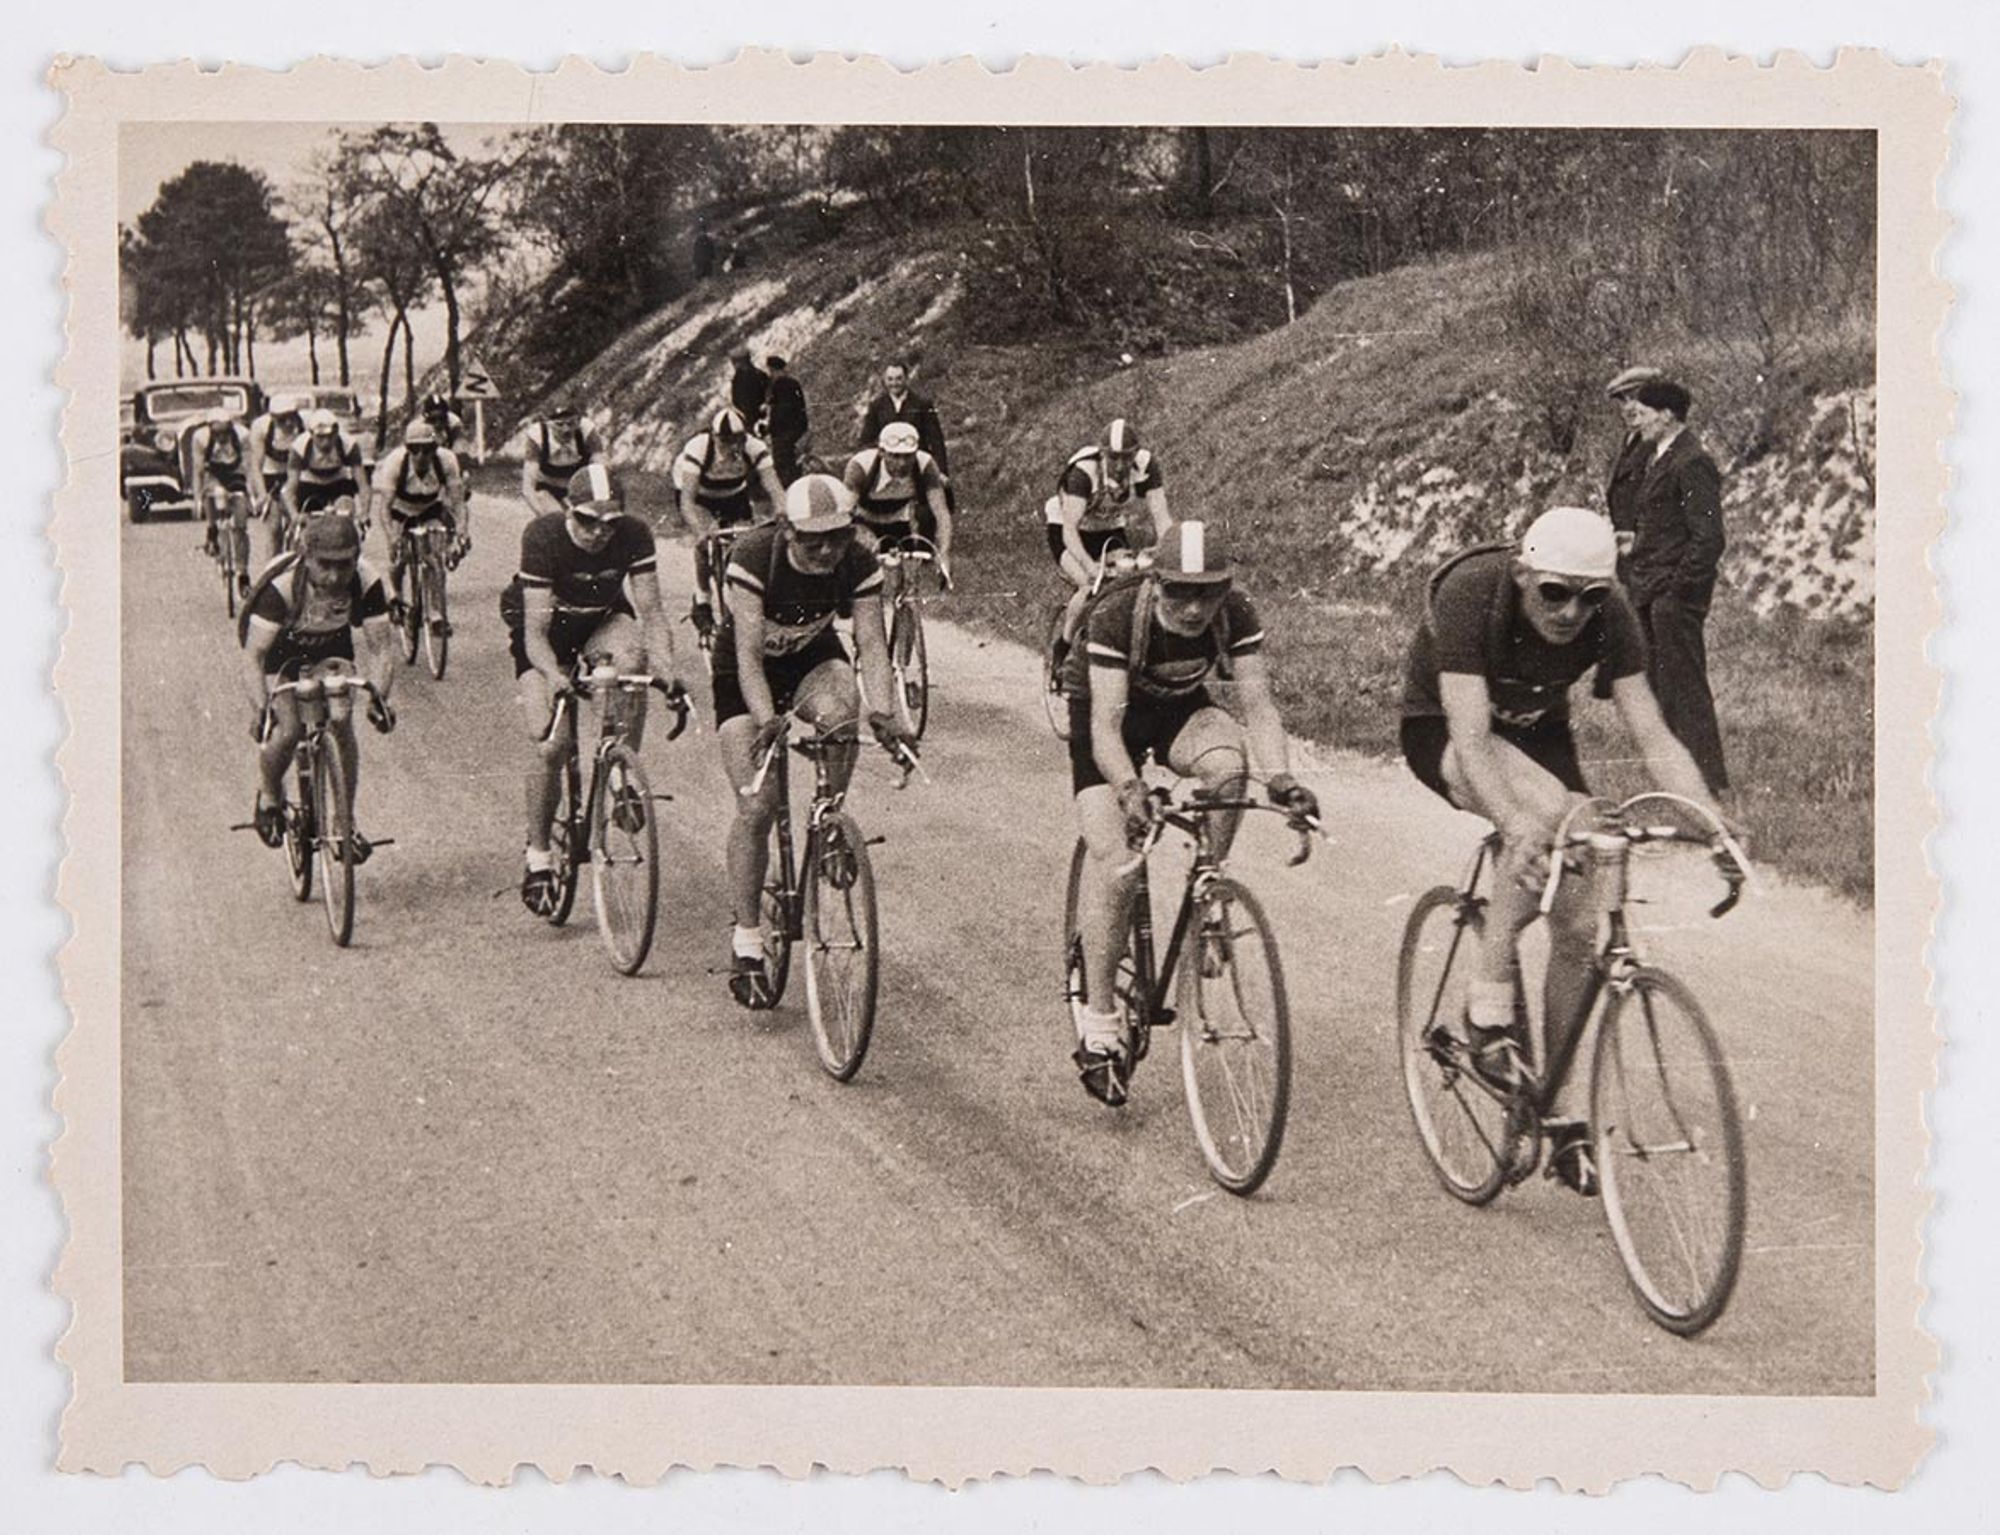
[{"x": 1235, "y": 1041}]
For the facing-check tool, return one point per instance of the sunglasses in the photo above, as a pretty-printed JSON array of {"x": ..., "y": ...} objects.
[
  {"x": 591, "y": 519},
  {"x": 1192, "y": 591},
  {"x": 1559, "y": 594}
]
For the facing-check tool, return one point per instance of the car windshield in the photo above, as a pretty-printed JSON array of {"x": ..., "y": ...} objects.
[
  {"x": 340, "y": 401},
  {"x": 192, "y": 399}
]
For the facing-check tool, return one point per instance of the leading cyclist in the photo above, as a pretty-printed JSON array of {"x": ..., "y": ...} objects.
[
  {"x": 1139, "y": 687},
  {"x": 1506, "y": 633}
]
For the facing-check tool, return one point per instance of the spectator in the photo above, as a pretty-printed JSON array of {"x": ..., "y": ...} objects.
[
  {"x": 1621, "y": 495},
  {"x": 899, "y": 402},
  {"x": 748, "y": 389},
  {"x": 704, "y": 250},
  {"x": 1676, "y": 552},
  {"x": 786, "y": 401}
]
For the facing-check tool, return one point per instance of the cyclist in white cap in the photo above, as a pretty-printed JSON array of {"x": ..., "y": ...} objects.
[
  {"x": 1102, "y": 487},
  {"x": 776, "y": 650},
  {"x": 1506, "y": 632},
  {"x": 899, "y": 492},
  {"x": 717, "y": 475}
]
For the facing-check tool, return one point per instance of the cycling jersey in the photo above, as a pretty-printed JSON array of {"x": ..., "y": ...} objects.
[
  {"x": 273, "y": 436},
  {"x": 585, "y": 583},
  {"x": 1105, "y": 502},
  {"x": 1170, "y": 666},
  {"x": 798, "y": 607},
  {"x": 313, "y": 625},
  {"x": 719, "y": 473},
  {"x": 1474, "y": 625},
  {"x": 885, "y": 498},
  {"x": 222, "y": 451},
  {"x": 415, "y": 488},
  {"x": 562, "y": 448},
  {"x": 328, "y": 468}
]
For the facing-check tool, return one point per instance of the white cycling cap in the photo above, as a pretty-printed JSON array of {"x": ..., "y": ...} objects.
[
  {"x": 1571, "y": 541},
  {"x": 818, "y": 503},
  {"x": 898, "y": 437}
]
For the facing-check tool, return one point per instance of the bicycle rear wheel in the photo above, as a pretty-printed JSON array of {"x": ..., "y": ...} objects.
[
  {"x": 413, "y": 607},
  {"x": 1236, "y": 1039},
  {"x": 1055, "y": 702},
  {"x": 1669, "y": 1147},
  {"x": 566, "y": 842},
  {"x": 842, "y": 952},
  {"x": 299, "y": 837},
  {"x": 776, "y": 917},
  {"x": 228, "y": 562},
  {"x": 624, "y": 860},
  {"x": 333, "y": 816},
  {"x": 1468, "y": 1132},
  {"x": 437, "y": 641},
  {"x": 912, "y": 667}
]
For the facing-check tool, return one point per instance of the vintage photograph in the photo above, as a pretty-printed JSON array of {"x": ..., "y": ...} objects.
[{"x": 1042, "y": 754}]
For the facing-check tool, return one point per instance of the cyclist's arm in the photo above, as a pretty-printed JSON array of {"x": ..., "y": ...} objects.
[
  {"x": 538, "y": 611},
  {"x": 659, "y": 634},
  {"x": 1669, "y": 762},
  {"x": 871, "y": 650},
  {"x": 1263, "y": 729},
  {"x": 261, "y": 635},
  {"x": 1156, "y": 507},
  {"x": 380, "y": 666},
  {"x": 1468, "y": 712},
  {"x": 774, "y": 488},
  {"x": 694, "y": 514},
  {"x": 457, "y": 504},
  {"x": 1107, "y": 726},
  {"x": 746, "y": 612},
  {"x": 538, "y": 500},
  {"x": 254, "y": 460},
  {"x": 379, "y": 489},
  {"x": 941, "y": 510},
  {"x": 1073, "y": 508},
  {"x": 290, "y": 494},
  {"x": 198, "y": 462}
]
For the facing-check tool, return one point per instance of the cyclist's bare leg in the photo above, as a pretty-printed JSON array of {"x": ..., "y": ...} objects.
[
  {"x": 1104, "y": 895},
  {"x": 275, "y": 755},
  {"x": 544, "y": 776},
  {"x": 829, "y": 699},
  {"x": 1516, "y": 894},
  {"x": 1210, "y": 747},
  {"x": 750, "y": 828},
  {"x": 618, "y": 641},
  {"x": 239, "y": 530},
  {"x": 1080, "y": 577}
]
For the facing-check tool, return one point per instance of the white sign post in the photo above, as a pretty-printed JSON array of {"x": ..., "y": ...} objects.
[{"x": 475, "y": 383}]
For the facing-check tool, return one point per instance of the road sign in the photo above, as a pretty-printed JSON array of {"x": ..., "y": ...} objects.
[{"x": 475, "y": 383}]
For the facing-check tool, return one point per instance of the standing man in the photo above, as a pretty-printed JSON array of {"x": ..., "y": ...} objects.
[
  {"x": 786, "y": 404},
  {"x": 1621, "y": 492},
  {"x": 899, "y": 402},
  {"x": 1676, "y": 552},
  {"x": 748, "y": 389}
]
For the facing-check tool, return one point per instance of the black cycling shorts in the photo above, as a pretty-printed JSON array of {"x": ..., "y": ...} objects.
[
  {"x": 782, "y": 673},
  {"x": 1150, "y": 727},
  {"x": 728, "y": 511},
  {"x": 568, "y": 634},
  {"x": 1548, "y": 745},
  {"x": 292, "y": 652},
  {"x": 1095, "y": 540},
  {"x": 317, "y": 497}
]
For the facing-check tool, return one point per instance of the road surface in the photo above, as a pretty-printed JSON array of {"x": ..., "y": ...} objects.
[{"x": 466, "y": 1150}]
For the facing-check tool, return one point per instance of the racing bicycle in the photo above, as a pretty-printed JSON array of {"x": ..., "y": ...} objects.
[
  {"x": 422, "y": 618},
  {"x": 610, "y": 822},
  {"x": 228, "y": 521},
  {"x": 822, "y": 897},
  {"x": 713, "y": 549},
  {"x": 1228, "y": 985},
  {"x": 1665, "y": 1136},
  {"x": 909, "y": 660}
]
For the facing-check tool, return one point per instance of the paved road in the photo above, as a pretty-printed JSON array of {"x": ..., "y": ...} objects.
[{"x": 464, "y": 1150}]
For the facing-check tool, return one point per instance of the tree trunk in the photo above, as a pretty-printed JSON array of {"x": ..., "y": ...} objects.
[
  {"x": 312, "y": 350},
  {"x": 388, "y": 368},
  {"x": 152, "y": 342},
  {"x": 250, "y": 340},
  {"x": 451, "y": 321},
  {"x": 343, "y": 298},
  {"x": 409, "y": 369},
  {"x": 1204, "y": 175}
]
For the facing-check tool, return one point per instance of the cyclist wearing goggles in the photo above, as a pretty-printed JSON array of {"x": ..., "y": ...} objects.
[
  {"x": 1486, "y": 724},
  {"x": 588, "y": 584},
  {"x": 1139, "y": 686}
]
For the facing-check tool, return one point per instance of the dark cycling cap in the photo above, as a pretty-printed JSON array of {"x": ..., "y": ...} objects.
[
  {"x": 1191, "y": 551},
  {"x": 330, "y": 537},
  {"x": 595, "y": 489}
]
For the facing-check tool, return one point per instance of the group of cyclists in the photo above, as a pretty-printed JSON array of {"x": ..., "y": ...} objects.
[{"x": 1505, "y": 632}]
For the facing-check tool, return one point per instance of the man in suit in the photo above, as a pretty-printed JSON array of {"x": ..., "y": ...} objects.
[
  {"x": 748, "y": 389},
  {"x": 1628, "y": 468},
  {"x": 786, "y": 407},
  {"x": 899, "y": 402},
  {"x": 1677, "y": 543}
]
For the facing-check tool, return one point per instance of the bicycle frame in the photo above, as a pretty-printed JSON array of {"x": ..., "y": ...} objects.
[{"x": 825, "y": 801}]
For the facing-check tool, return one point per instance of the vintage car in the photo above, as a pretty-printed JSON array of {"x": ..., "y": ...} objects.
[{"x": 155, "y": 471}]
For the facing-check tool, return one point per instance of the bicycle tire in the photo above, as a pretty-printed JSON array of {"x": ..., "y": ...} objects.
[
  {"x": 228, "y": 563},
  {"x": 1240, "y": 1145},
  {"x": 406, "y": 631},
  {"x": 1644, "y": 1149},
  {"x": 1470, "y": 1137},
  {"x": 912, "y": 666},
  {"x": 437, "y": 643},
  {"x": 299, "y": 838},
  {"x": 842, "y": 945},
  {"x": 566, "y": 839},
  {"x": 624, "y": 859},
  {"x": 333, "y": 816},
  {"x": 1076, "y": 988},
  {"x": 776, "y": 917},
  {"x": 1055, "y": 702}
]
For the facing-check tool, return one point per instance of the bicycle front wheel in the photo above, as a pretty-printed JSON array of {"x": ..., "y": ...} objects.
[
  {"x": 1054, "y": 700},
  {"x": 413, "y": 609},
  {"x": 567, "y": 843},
  {"x": 1468, "y": 1132},
  {"x": 1236, "y": 1038},
  {"x": 842, "y": 951},
  {"x": 913, "y": 669},
  {"x": 437, "y": 638},
  {"x": 624, "y": 859},
  {"x": 333, "y": 817},
  {"x": 776, "y": 916},
  {"x": 299, "y": 838},
  {"x": 1669, "y": 1148}
]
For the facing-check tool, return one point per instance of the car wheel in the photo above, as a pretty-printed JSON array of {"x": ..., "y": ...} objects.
[{"x": 136, "y": 505}]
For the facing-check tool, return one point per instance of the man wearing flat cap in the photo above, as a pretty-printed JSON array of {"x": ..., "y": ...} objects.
[
  {"x": 1621, "y": 494},
  {"x": 1676, "y": 511}
]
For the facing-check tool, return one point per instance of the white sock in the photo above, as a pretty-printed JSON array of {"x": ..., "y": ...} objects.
[
  {"x": 541, "y": 860},
  {"x": 748, "y": 942},
  {"x": 1099, "y": 1031}
]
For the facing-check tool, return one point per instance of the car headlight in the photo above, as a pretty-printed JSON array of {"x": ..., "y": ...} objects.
[{"x": 164, "y": 441}]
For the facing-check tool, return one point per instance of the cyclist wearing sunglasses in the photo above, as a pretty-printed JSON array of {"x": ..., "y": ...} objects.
[
  {"x": 569, "y": 599},
  {"x": 1506, "y": 633},
  {"x": 1139, "y": 686}
]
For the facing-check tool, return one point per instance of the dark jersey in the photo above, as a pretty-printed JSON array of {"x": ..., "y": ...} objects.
[
  {"x": 325, "y": 460},
  {"x": 303, "y": 611},
  {"x": 584, "y": 582},
  {"x": 1172, "y": 665},
  {"x": 798, "y": 608},
  {"x": 1475, "y": 625}
]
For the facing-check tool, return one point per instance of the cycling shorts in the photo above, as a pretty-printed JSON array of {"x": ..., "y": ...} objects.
[
  {"x": 728, "y": 511},
  {"x": 888, "y": 535},
  {"x": 231, "y": 480},
  {"x": 293, "y": 651},
  {"x": 569, "y": 636},
  {"x": 317, "y": 497},
  {"x": 1150, "y": 728},
  {"x": 782, "y": 673},
  {"x": 403, "y": 515},
  {"x": 1095, "y": 540},
  {"x": 1548, "y": 745}
]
